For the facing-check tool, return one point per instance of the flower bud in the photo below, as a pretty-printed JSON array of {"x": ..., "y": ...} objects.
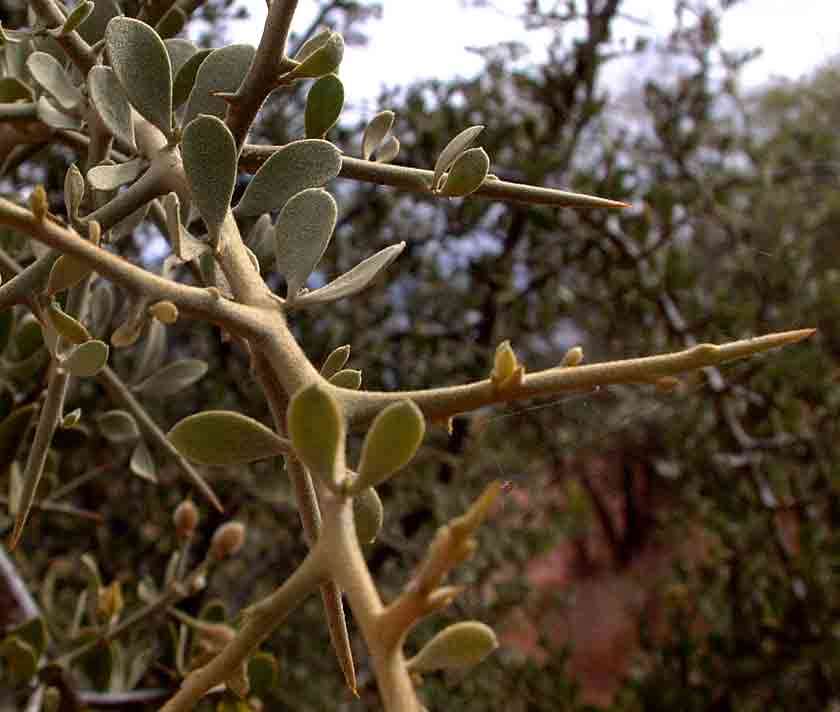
[
  {"x": 227, "y": 540},
  {"x": 573, "y": 357},
  {"x": 38, "y": 203},
  {"x": 186, "y": 519}
]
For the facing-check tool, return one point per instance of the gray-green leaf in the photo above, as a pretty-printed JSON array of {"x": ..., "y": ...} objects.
[
  {"x": 111, "y": 177},
  {"x": 457, "y": 647},
  {"x": 54, "y": 118},
  {"x": 302, "y": 234},
  {"x": 184, "y": 245},
  {"x": 87, "y": 360},
  {"x": 467, "y": 173},
  {"x": 185, "y": 78},
  {"x": 317, "y": 430},
  {"x": 74, "y": 190},
  {"x": 375, "y": 132},
  {"x": 118, "y": 426},
  {"x": 452, "y": 150},
  {"x": 179, "y": 51},
  {"x": 323, "y": 60},
  {"x": 335, "y": 361},
  {"x": 222, "y": 71},
  {"x": 142, "y": 464},
  {"x": 223, "y": 437},
  {"x": 295, "y": 167},
  {"x": 209, "y": 152},
  {"x": 111, "y": 103},
  {"x": 172, "y": 378},
  {"x": 141, "y": 62},
  {"x": 80, "y": 13},
  {"x": 388, "y": 150},
  {"x": 46, "y": 70},
  {"x": 323, "y": 105},
  {"x": 355, "y": 280}
]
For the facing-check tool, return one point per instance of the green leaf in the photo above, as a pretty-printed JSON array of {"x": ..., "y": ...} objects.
[
  {"x": 111, "y": 103},
  {"x": 46, "y": 70},
  {"x": 317, "y": 430},
  {"x": 185, "y": 77},
  {"x": 34, "y": 632},
  {"x": 66, "y": 272},
  {"x": 457, "y": 647},
  {"x": 12, "y": 89},
  {"x": 118, "y": 426},
  {"x": 142, "y": 464},
  {"x": 295, "y": 167},
  {"x": 87, "y": 360},
  {"x": 323, "y": 105},
  {"x": 302, "y": 234},
  {"x": 223, "y": 71},
  {"x": 375, "y": 132},
  {"x": 323, "y": 60},
  {"x": 72, "y": 418},
  {"x": 390, "y": 443},
  {"x": 141, "y": 63},
  {"x": 355, "y": 280},
  {"x": 368, "y": 515},
  {"x": 335, "y": 361},
  {"x": 111, "y": 177},
  {"x": 223, "y": 437},
  {"x": 347, "y": 378},
  {"x": 209, "y": 152},
  {"x": 72, "y": 330},
  {"x": 452, "y": 150},
  {"x": 467, "y": 173},
  {"x": 172, "y": 378}
]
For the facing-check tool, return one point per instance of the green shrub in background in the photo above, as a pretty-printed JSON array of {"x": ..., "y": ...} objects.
[{"x": 162, "y": 127}]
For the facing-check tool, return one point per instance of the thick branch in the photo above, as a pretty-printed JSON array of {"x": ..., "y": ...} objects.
[{"x": 77, "y": 49}]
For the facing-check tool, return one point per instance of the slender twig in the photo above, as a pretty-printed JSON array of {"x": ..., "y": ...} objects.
[
  {"x": 46, "y": 505},
  {"x": 17, "y": 589},
  {"x": 123, "y": 700},
  {"x": 419, "y": 180}
]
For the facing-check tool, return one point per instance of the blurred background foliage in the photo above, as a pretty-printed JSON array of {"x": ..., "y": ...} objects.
[{"x": 655, "y": 551}]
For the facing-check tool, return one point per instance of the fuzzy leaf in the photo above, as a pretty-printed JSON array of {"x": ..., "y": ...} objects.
[
  {"x": 317, "y": 430},
  {"x": 111, "y": 177},
  {"x": 142, "y": 65},
  {"x": 172, "y": 22},
  {"x": 172, "y": 378},
  {"x": 209, "y": 152},
  {"x": 65, "y": 273},
  {"x": 46, "y": 70},
  {"x": 93, "y": 28},
  {"x": 223, "y": 437},
  {"x": 80, "y": 13},
  {"x": 335, "y": 361},
  {"x": 111, "y": 103},
  {"x": 142, "y": 464},
  {"x": 72, "y": 330},
  {"x": 457, "y": 647},
  {"x": 323, "y": 60},
  {"x": 74, "y": 190},
  {"x": 118, "y": 426},
  {"x": 302, "y": 234},
  {"x": 368, "y": 515},
  {"x": 313, "y": 43},
  {"x": 452, "y": 150},
  {"x": 355, "y": 280},
  {"x": 323, "y": 105},
  {"x": 390, "y": 443},
  {"x": 184, "y": 245},
  {"x": 467, "y": 173},
  {"x": 54, "y": 118},
  {"x": 375, "y": 132},
  {"x": 86, "y": 360},
  {"x": 389, "y": 150},
  {"x": 295, "y": 167},
  {"x": 185, "y": 77},
  {"x": 347, "y": 378},
  {"x": 222, "y": 71},
  {"x": 179, "y": 51}
]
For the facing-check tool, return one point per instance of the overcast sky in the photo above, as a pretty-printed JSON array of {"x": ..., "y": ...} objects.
[{"x": 428, "y": 38}]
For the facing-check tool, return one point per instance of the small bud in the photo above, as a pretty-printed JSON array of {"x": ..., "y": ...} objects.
[
  {"x": 110, "y": 601},
  {"x": 573, "y": 357},
  {"x": 504, "y": 363},
  {"x": 667, "y": 384},
  {"x": 227, "y": 540},
  {"x": 94, "y": 232},
  {"x": 456, "y": 647},
  {"x": 165, "y": 312},
  {"x": 186, "y": 519},
  {"x": 367, "y": 515},
  {"x": 38, "y": 203}
]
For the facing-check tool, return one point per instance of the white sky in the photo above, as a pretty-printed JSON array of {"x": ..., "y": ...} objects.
[{"x": 427, "y": 38}]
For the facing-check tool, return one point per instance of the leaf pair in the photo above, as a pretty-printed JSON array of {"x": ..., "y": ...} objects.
[{"x": 467, "y": 167}]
